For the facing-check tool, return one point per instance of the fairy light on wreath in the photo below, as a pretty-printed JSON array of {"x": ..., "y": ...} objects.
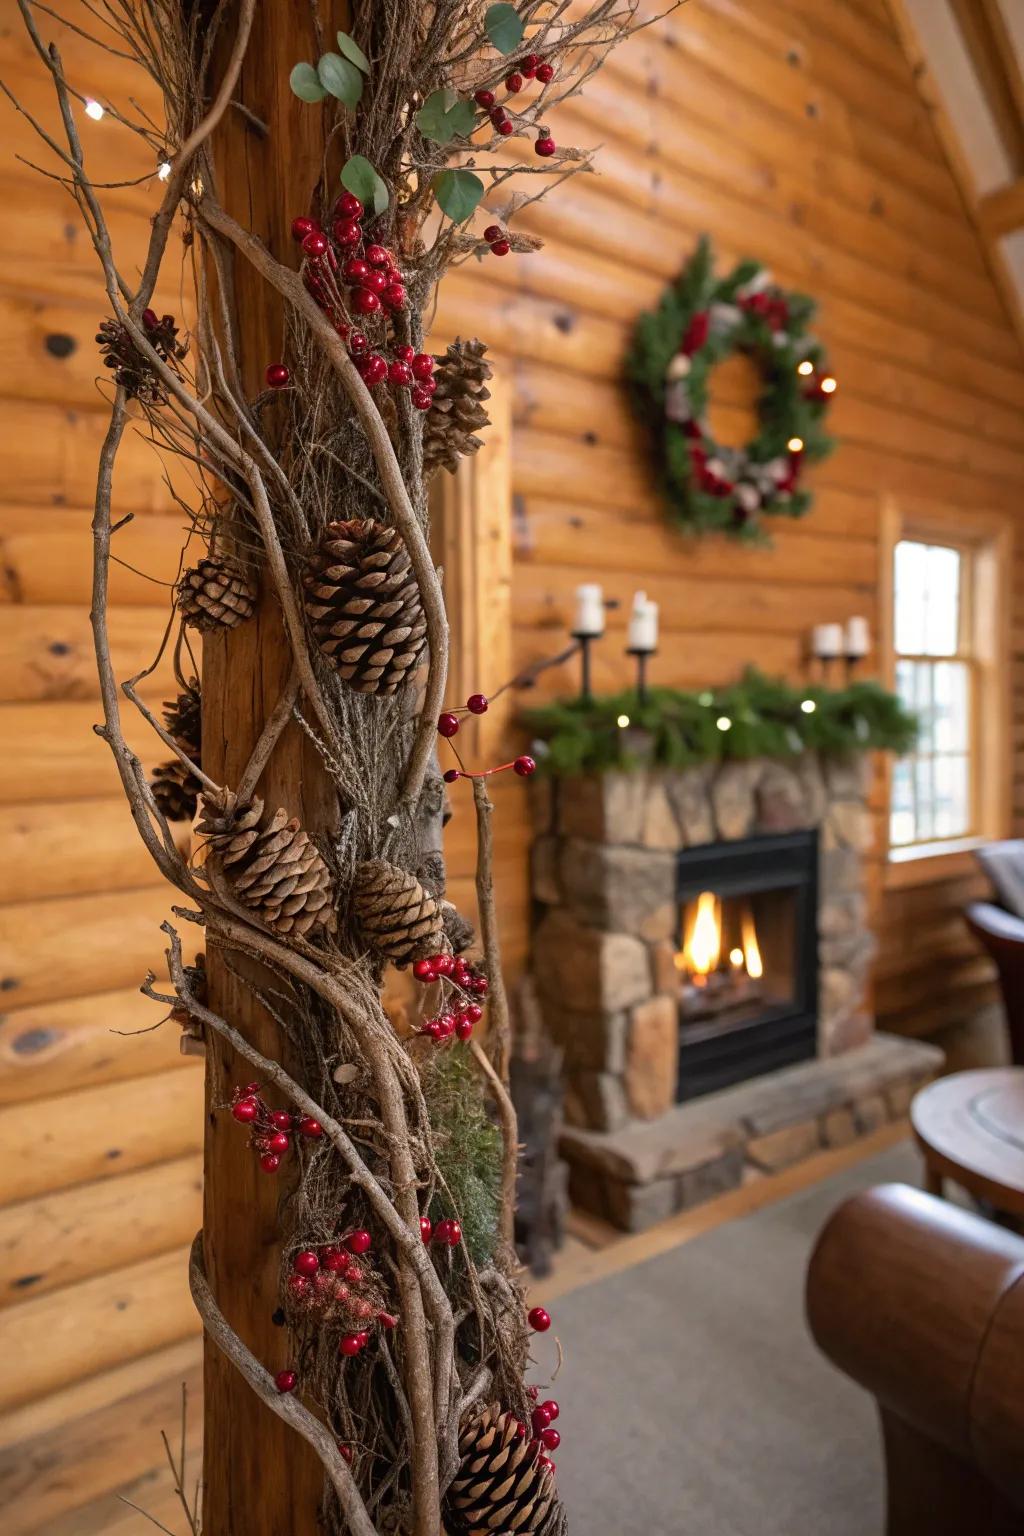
[{"x": 701, "y": 320}]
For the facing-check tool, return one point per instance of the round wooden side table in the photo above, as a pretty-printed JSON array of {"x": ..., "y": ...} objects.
[{"x": 970, "y": 1128}]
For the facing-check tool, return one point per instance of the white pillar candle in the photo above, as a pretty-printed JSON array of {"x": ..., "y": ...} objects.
[
  {"x": 827, "y": 640},
  {"x": 589, "y": 618},
  {"x": 858, "y": 637},
  {"x": 643, "y": 624}
]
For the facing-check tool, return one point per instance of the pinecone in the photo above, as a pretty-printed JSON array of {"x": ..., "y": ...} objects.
[
  {"x": 131, "y": 369},
  {"x": 273, "y": 866},
  {"x": 176, "y": 790},
  {"x": 183, "y": 719},
  {"x": 457, "y": 409},
  {"x": 218, "y": 593},
  {"x": 364, "y": 605},
  {"x": 395, "y": 915},
  {"x": 499, "y": 1489}
]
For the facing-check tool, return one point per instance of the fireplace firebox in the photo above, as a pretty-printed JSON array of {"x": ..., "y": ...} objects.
[{"x": 746, "y": 958}]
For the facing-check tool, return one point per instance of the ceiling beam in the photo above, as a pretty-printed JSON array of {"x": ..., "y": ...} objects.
[
  {"x": 1001, "y": 212},
  {"x": 983, "y": 30}
]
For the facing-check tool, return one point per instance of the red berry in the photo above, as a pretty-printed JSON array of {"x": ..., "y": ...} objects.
[
  {"x": 405, "y": 353},
  {"x": 315, "y": 243},
  {"x": 150, "y": 319},
  {"x": 484, "y": 99},
  {"x": 387, "y": 1319},
  {"x": 354, "y": 270},
  {"x": 298, "y": 1285},
  {"x": 358, "y": 1241},
  {"x": 400, "y": 374},
  {"x": 505, "y": 127},
  {"x": 513, "y": 82},
  {"x": 277, "y": 375},
  {"x": 270, "y": 1162},
  {"x": 426, "y": 1228},
  {"x": 279, "y": 1142},
  {"x": 378, "y": 256},
  {"x": 310, "y": 1127},
  {"x": 347, "y": 232},
  {"x": 545, "y": 146},
  {"x": 524, "y": 766},
  {"x": 480, "y": 985},
  {"x": 538, "y": 1319},
  {"x": 477, "y": 703},
  {"x": 334, "y": 1261},
  {"x": 363, "y": 1337},
  {"x": 446, "y": 1025},
  {"x": 250, "y": 1090},
  {"x": 550, "y": 1439},
  {"x": 374, "y": 369},
  {"x": 441, "y": 1232},
  {"x": 345, "y": 1451},
  {"x": 450, "y": 775},
  {"x": 423, "y": 365},
  {"x": 500, "y": 248},
  {"x": 422, "y": 398},
  {"x": 473, "y": 1012},
  {"x": 444, "y": 964},
  {"x": 545, "y": 73},
  {"x": 539, "y": 1419},
  {"x": 533, "y": 1393},
  {"x": 350, "y": 1344},
  {"x": 493, "y": 232},
  {"x": 364, "y": 302},
  {"x": 286, "y": 1381},
  {"x": 394, "y": 296},
  {"x": 245, "y": 1111},
  {"x": 349, "y": 205},
  {"x": 357, "y": 343},
  {"x": 375, "y": 281},
  {"x": 301, "y": 228},
  {"x": 552, "y": 1408},
  {"x": 448, "y": 725},
  {"x": 306, "y": 1262},
  {"x": 520, "y": 1430},
  {"x": 423, "y": 970},
  {"x": 434, "y": 1030},
  {"x": 281, "y": 1120},
  {"x": 454, "y": 1233},
  {"x": 544, "y": 1464},
  {"x": 354, "y": 1274},
  {"x": 463, "y": 1027}
]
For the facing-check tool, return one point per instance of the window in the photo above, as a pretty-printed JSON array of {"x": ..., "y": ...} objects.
[
  {"x": 932, "y": 788},
  {"x": 945, "y": 577}
]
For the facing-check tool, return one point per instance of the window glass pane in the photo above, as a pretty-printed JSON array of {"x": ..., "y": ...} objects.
[
  {"x": 950, "y": 720},
  {"x": 923, "y": 790},
  {"x": 901, "y": 814},
  {"x": 942, "y": 601},
  {"x": 952, "y": 812},
  {"x": 909, "y": 579}
]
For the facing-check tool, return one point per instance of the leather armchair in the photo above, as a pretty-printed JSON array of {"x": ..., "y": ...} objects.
[{"x": 1001, "y": 933}]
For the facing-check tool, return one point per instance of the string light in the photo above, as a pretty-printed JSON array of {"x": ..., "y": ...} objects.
[
  {"x": 622, "y": 722},
  {"x": 795, "y": 445},
  {"x": 724, "y": 723},
  {"x": 164, "y": 170},
  {"x": 706, "y": 699},
  {"x": 808, "y": 706},
  {"x": 828, "y": 385},
  {"x": 805, "y": 367},
  {"x": 93, "y": 110}
]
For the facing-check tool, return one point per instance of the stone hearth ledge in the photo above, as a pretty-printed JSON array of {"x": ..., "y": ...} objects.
[{"x": 650, "y": 1169}]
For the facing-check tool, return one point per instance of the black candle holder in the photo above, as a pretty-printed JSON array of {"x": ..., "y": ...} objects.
[
  {"x": 585, "y": 642},
  {"x": 641, "y": 671},
  {"x": 851, "y": 664}
]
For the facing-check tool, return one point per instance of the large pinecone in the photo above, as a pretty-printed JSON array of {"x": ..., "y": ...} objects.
[
  {"x": 396, "y": 917},
  {"x": 218, "y": 593},
  {"x": 272, "y": 866},
  {"x": 457, "y": 409},
  {"x": 499, "y": 1489},
  {"x": 364, "y": 605}
]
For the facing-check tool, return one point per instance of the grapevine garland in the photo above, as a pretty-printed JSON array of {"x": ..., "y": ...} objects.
[{"x": 700, "y": 321}]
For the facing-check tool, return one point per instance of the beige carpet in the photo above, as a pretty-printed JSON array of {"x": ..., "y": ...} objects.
[{"x": 693, "y": 1400}]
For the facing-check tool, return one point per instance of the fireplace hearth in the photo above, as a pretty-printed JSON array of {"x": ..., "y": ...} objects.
[{"x": 747, "y": 958}]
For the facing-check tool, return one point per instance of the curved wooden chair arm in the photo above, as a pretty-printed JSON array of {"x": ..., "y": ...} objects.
[{"x": 922, "y": 1303}]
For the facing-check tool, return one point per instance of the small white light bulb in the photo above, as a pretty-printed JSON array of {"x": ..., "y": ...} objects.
[
  {"x": 828, "y": 386},
  {"x": 724, "y": 723},
  {"x": 622, "y": 722},
  {"x": 93, "y": 110},
  {"x": 795, "y": 444},
  {"x": 808, "y": 706},
  {"x": 805, "y": 367},
  {"x": 164, "y": 170},
  {"x": 705, "y": 698}
]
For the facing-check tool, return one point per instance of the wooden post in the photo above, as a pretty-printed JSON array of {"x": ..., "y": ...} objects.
[{"x": 260, "y": 1477}]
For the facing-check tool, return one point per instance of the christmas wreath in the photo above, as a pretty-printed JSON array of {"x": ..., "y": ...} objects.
[{"x": 700, "y": 321}]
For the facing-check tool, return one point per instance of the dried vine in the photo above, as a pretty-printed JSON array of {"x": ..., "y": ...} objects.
[{"x": 324, "y": 473}]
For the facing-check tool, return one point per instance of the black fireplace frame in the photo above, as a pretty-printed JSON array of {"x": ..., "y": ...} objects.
[{"x": 769, "y": 862}]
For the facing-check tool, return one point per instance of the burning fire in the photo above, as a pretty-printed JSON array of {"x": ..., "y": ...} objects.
[{"x": 701, "y": 953}]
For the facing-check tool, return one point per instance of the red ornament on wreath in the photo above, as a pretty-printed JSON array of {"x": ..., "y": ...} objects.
[{"x": 703, "y": 319}]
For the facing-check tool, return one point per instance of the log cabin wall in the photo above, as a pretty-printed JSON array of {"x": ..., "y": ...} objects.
[{"x": 789, "y": 131}]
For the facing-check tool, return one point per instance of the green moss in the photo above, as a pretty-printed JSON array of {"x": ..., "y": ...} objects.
[{"x": 467, "y": 1148}]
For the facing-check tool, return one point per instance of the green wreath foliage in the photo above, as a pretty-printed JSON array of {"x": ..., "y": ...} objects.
[
  {"x": 675, "y": 729},
  {"x": 742, "y": 312}
]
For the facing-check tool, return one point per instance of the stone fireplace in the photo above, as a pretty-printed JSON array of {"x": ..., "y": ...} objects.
[{"x": 701, "y": 955}]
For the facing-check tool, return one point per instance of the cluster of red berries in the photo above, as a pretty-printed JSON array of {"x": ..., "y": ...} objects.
[
  {"x": 447, "y": 1232},
  {"x": 497, "y": 239},
  {"x": 325, "y": 1283},
  {"x": 533, "y": 67},
  {"x": 448, "y": 723},
  {"x": 544, "y": 1437},
  {"x": 460, "y": 1021},
  {"x": 273, "y": 1130}
]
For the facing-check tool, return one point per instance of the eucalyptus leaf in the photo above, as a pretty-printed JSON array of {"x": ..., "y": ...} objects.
[
  {"x": 341, "y": 78},
  {"x": 461, "y": 118},
  {"x": 444, "y": 115},
  {"x": 305, "y": 83},
  {"x": 458, "y": 192},
  {"x": 353, "y": 51},
  {"x": 504, "y": 26},
  {"x": 358, "y": 176}
]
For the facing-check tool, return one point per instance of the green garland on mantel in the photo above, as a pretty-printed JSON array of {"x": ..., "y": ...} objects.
[{"x": 674, "y": 729}]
